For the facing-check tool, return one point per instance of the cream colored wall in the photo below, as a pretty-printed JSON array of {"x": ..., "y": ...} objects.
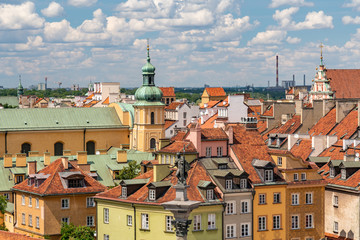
[{"x": 9, "y": 222}]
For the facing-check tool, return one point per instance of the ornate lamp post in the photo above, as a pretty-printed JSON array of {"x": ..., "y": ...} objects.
[{"x": 181, "y": 206}]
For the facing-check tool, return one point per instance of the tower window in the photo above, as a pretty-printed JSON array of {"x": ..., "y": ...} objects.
[
  {"x": 152, "y": 143},
  {"x": 26, "y": 148},
  {"x": 152, "y": 118}
]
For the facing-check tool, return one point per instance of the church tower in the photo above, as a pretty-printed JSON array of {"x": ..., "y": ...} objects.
[
  {"x": 320, "y": 88},
  {"x": 20, "y": 89},
  {"x": 149, "y": 118}
]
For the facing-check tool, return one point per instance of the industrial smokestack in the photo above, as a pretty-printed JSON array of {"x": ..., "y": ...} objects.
[
  {"x": 294, "y": 80},
  {"x": 45, "y": 83},
  {"x": 277, "y": 70},
  {"x": 304, "y": 80}
]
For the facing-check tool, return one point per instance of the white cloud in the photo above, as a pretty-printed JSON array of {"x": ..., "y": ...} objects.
[
  {"x": 284, "y": 17},
  {"x": 95, "y": 25},
  {"x": 268, "y": 37},
  {"x": 293, "y": 40},
  {"x": 53, "y": 10},
  {"x": 223, "y": 5},
  {"x": 300, "y": 3},
  {"x": 82, "y": 3},
  {"x": 354, "y": 4},
  {"x": 351, "y": 20},
  {"x": 33, "y": 42},
  {"x": 21, "y": 16}
]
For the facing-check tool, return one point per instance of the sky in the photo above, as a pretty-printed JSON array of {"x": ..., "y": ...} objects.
[{"x": 192, "y": 42}]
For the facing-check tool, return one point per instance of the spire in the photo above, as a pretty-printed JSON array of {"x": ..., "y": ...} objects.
[
  {"x": 321, "y": 56},
  {"x": 148, "y": 51},
  {"x": 20, "y": 90}
]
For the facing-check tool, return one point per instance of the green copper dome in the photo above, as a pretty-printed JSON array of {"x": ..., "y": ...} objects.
[
  {"x": 20, "y": 89},
  {"x": 148, "y": 93}
]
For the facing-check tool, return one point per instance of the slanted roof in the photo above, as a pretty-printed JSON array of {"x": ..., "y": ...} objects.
[
  {"x": 215, "y": 91},
  {"x": 10, "y": 100},
  {"x": 168, "y": 123},
  {"x": 168, "y": 91},
  {"x": 351, "y": 182},
  {"x": 213, "y": 134},
  {"x": 302, "y": 149},
  {"x": 58, "y": 118},
  {"x": 269, "y": 112},
  {"x": 15, "y": 236},
  {"x": 174, "y": 105},
  {"x": 178, "y": 146},
  {"x": 347, "y": 126},
  {"x": 325, "y": 124},
  {"x": 344, "y": 82}
]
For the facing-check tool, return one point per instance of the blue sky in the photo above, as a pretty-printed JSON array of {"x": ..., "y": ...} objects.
[{"x": 192, "y": 42}]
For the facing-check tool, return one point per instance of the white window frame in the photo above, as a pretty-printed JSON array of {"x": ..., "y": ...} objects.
[
  {"x": 210, "y": 194},
  {"x": 309, "y": 221},
  {"x": 208, "y": 151},
  {"x": 145, "y": 221},
  {"x": 37, "y": 203},
  {"x": 245, "y": 229},
  {"x": 295, "y": 222},
  {"x": 245, "y": 206},
  {"x": 90, "y": 221},
  {"x": 309, "y": 198},
  {"x": 197, "y": 223},
  {"x": 106, "y": 237},
  {"x": 230, "y": 207},
  {"x": 262, "y": 223},
  {"x": 336, "y": 227},
  {"x": 219, "y": 151},
  {"x": 343, "y": 174},
  {"x": 231, "y": 231},
  {"x": 211, "y": 221},
  {"x": 276, "y": 222},
  {"x": 262, "y": 198},
  {"x": 23, "y": 200},
  {"x": 332, "y": 172},
  {"x": 65, "y": 203},
  {"x": 30, "y": 201},
  {"x": 65, "y": 220},
  {"x": 106, "y": 215},
  {"x": 279, "y": 161},
  {"x": 37, "y": 222},
  {"x": 275, "y": 198},
  {"x": 152, "y": 194},
  {"x": 295, "y": 199},
  {"x": 90, "y": 202},
  {"x": 30, "y": 220},
  {"x": 296, "y": 177},
  {"x": 168, "y": 225},
  {"x": 23, "y": 219},
  {"x": 129, "y": 220},
  {"x": 124, "y": 192},
  {"x": 243, "y": 183},
  {"x": 269, "y": 175},
  {"x": 336, "y": 201},
  {"x": 228, "y": 184},
  {"x": 303, "y": 176}
]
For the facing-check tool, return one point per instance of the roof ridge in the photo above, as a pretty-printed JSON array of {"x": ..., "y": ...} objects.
[
  {"x": 53, "y": 175},
  {"x": 192, "y": 172}
]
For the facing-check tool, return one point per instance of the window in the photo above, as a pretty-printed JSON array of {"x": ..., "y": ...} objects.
[
  {"x": 30, "y": 221},
  {"x": 243, "y": 183},
  {"x": 244, "y": 206},
  {"x": 152, "y": 118},
  {"x": 245, "y": 230},
  {"x": 90, "y": 202},
  {"x": 231, "y": 231},
  {"x": 129, "y": 220},
  {"x": 65, "y": 220},
  {"x": 219, "y": 151},
  {"x": 336, "y": 201},
  {"x": 37, "y": 222},
  {"x": 279, "y": 161},
  {"x": 58, "y": 149},
  {"x": 124, "y": 192},
  {"x": 332, "y": 172},
  {"x": 75, "y": 183},
  {"x": 36, "y": 203},
  {"x": 295, "y": 222},
  {"x": 65, "y": 203},
  {"x": 10, "y": 219},
  {"x": 210, "y": 194},
  {"x": 144, "y": 221},
  {"x": 276, "y": 222},
  {"x": 211, "y": 221},
  {"x": 19, "y": 178},
  {"x": 184, "y": 123},
  {"x": 7, "y": 196},
  {"x": 152, "y": 194},
  {"x": 184, "y": 114},
  {"x": 26, "y": 148},
  {"x": 296, "y": 177},
  {"x": 294, "y": 199},
  {"x": 268, "y": 175},
  {"x": 277, "y": 198},
  {"x": 152, "y": 143},
  {"x": 23, "y": 219},
  {"x": 262, "y": 223},
  {"x": 23, "y": 200},
  {"x": 90, "y": 147},
  {"x": 230, "y": 208},
  {"x": 208, "y": 151},
  {"x": 309, "y": 221},
  {"x": 336, "y": 227},
  {"x": 228, "y": 184},
  {"x": 106, "y": 237},
  {"x": 308, "y": 198},
  {"x": 343, "y": 173},
  {"x": 30, "y": 201},
  {"x": 197, "y": 222},
  {"x": 262, "y": 198},
  {"x": 303, "y": 176},
  {"x": 168, "y": 225},
  {"x": 106, "y": 215},
  {"x": 90, "y": 221}
]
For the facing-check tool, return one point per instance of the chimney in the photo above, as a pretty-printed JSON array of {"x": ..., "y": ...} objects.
[
  {"x": 304, "y": 80},
  {"x": 160, "y": 171},
  {"x": 20, "y": 159},
  {"x": 65, "y": 162},
  {"x": 231, "y": 135},
  {"x": 121, "y": 156},
  {"x": 47, "y": 158},
  {"x": 8, "y": 160},
  {"x": 196, "y": 139},
  {"x": 32, "y": 167},
  {"x": 81, "y": 157},
  {"x": 294, "y": 80},
  {"x": 277, "y": 70},
  {"x": 66, "y": 152},
  {"x": 33, "y": 154}
]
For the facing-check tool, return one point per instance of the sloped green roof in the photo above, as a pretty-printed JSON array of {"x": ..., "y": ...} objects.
[
  {"x": 10, "y": 100},
  {"x": 319, "y": 159},
  {"x": 126, "y": 107},
  {"x": 58, "y": 118},
  {"x": 9, "y": 207},
  {"x": 135, "y": 181}
]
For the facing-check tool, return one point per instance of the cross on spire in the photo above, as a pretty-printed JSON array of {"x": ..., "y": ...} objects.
[
  {"x": 321, "y": 56},
  {"x": 148, "y": 49}
]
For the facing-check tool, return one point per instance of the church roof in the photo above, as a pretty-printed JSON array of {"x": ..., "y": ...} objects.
[
  {"x": 215, "y": 91},
  {"x": 168, "y": 91},
  {"x": 344, "y": 82}
]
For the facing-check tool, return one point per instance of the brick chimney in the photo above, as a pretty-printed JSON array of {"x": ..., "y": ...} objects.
[
  {"x": 81, "y": 157},
  {"x": 230, "y": 134},
  {"x": 47, "y": 158},
  {"x": 8, "y": 160},
  {"x": 121, "y": 156},
  {"x": 65, "y": 162},
  {"x": 20, "y": 159},
  {"x": 195, "y": 137},
  {"x": 32, "y": 167}
]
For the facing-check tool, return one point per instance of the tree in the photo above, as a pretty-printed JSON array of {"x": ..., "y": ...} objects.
[
  {"x": 129, "y": 172},
  {"x": 70, "y": 232},
  {"x": 3, "y": 204}
]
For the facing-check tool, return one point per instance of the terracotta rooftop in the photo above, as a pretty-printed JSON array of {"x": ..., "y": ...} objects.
[
  {"x": 53, "y": 185},
  {"x": 210, "y": 122},
  {"x": 331, "y": 236},
  {"x": 178, "y": 146},
  {"x": 325, "y": 124},
  {"x": 346, "y": 127},
  {"x": 269, "y": 112},
  {"x": 261, "y": 126},
  {"x": 168, "y": 123},
  {"x": 290, "y": 91},
  {"x": 215, "y": 91},
  {"x": 336, "y": 152},
  {"x": 302, "y": 148},
  {"x": 106, "y": 101},
  {"x": 344, "y": 82},
  {"x": 213, "y": 134},
  {"x": 290, "y": 126},
  {"x": 181, "y": 135},
  {"x": 254, "y": 111},
  {"x": 209, "y": 104},
  {"x": 352, "y": 181},
  {"x": 15, "y": 236},
  {"x": 174, "y": 105},
  {"x": 168, "y": 91}
]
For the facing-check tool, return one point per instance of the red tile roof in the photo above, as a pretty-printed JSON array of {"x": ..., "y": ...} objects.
[
  {"x": 302, "y": 149},
  {"x": 290, "y": 91},
  {"x": 181, "y": 135},
  {"x": 330, "y": 236},
  {"x": 178, "y": 146},
  {"x": 174, "y": 105},
  {"x": 346, "y": 127},
  {"x": 254, "y": 111},
  {"x": 53, "y": 184},
  {"x": 352, "y": 181},
  {"x": 168, "y": 123},
  {"x": 106, "y": 101},
  {"x": 213, "y": 134},
  {"x": 168, "y": 91},
  {"x": 269, "y": 112},
  {"x": 336, "y": 152},
  {"x": 262, "y": 126},
  {"x": 344, "y": 82},
  {"x": 325, "y": 124},
  {"x": 15, "y": 236},
  {"x": 290, "y": 126},
  {"x": 210, "y": 122},
  {"x": 215, "y": 91},
  {"x": 209, "y": 104}
]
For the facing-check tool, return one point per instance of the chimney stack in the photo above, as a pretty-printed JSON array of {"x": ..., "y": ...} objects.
[
  {"x": 277, "y": 70},
  {"x": 121, "y": 156},
  {"x": 32, "y": 167},
  {"x": 8, "y": 160},
  {"x": 20, "y": 159},
  {"x": 81, "y": 157},
  {"x": 65, "y": 162},
  {"x": 47, "y": 158},
  {"x": 304, "y": 80}
]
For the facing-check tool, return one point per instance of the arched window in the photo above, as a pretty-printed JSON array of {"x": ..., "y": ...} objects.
[
  {"x": 152, "y": 118},
  {"x": 152, "y": 143},
  {"x": 58, "y": 149},
  {"x": 90, "y": 147},
  {"x": 26, "y": 148}
]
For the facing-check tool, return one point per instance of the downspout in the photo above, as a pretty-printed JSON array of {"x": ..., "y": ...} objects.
[
  {"x": 134, "y": 220},
  {"x": 84, "y": 139},
  {"x": 223, "y": 220},
  {"x": 15, "y": 216},
  {"x": 252, "y": 211},
  {"x": 6, "y": 132}
]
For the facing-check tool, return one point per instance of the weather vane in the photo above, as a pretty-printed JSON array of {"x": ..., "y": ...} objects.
[{"x": 321, "y": 48}]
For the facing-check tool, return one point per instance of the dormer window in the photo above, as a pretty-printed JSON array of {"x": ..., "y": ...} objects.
[
  {"x": 268, "y": 175},
  {"x": 343, "y": 173},
  {"x": 152, "y": 195},
  {"x": 75, "y": 183},
  {"x": 222, "y": 166},
  {"x": 124, "y": 192},
  {"x": 332, "y": 172},
  {"x": 228, "y": 184},
  {"x": 243, "y": 183},
  {"x": 210, "y": 194}
]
